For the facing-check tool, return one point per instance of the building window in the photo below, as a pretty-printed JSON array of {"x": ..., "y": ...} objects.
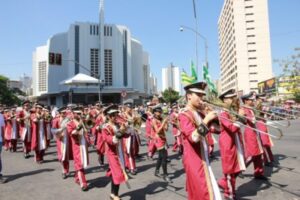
[
  {"x": 253, "y": 73},
  {"x": 108, "y": 67},
  {"x": 251, "y": 43},
  {"x": 91, "y": 30},
  {"x": 94, "y": 61},
  {"x": 251, "y": 50},
  {"x": 252, "y": 65},
  {"x": 250, "y": 28},
  {"x": 248, "y": 6},
  {"x": 42, "y": 72},
  {"x": 250, "y": 35},
  {"x": 97, "y": 30},
  {"x": 249, "y": 21},
  {"x": 77, "y": 48},
  {"x": 253, "y": 81},
  {"x": 248, "y": 14},
  {"x": 252, "y": 58}
]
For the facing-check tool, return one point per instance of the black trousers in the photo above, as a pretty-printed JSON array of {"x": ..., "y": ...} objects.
[
  {"x": 114, "y": 188},
  {"x": 162, "y": 160}
]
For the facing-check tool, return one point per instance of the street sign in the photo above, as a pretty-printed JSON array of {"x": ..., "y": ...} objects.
[{"x": 123, "y": 93}]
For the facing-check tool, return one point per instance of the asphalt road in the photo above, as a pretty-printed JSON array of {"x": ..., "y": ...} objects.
[{"x": 30, "y": 181}]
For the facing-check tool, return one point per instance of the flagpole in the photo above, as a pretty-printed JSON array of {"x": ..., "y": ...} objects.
[{"x": 196, "y": 35}]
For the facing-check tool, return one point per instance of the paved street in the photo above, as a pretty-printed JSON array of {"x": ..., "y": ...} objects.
[{"x": 30, "y": 181}]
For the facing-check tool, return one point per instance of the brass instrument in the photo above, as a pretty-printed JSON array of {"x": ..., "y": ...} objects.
[
  {"x": 89, "y": 122},
  {"x": 220, "y": 108},
  {"x": 258, "y": 112}
]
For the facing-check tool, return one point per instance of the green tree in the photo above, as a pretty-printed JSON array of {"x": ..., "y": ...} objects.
[
  {"x": 7, "y": 97},
  {"x": 170, "y": 95},
  {"x": 291, "y": 68}
]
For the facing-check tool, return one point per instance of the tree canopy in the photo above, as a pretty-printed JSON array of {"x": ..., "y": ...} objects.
[
  {"x": 7, "y": 96},
  {"x": 170, "y": 95}
]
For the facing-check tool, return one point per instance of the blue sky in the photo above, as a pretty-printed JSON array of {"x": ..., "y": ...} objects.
[{"x": 26, "y": 24}]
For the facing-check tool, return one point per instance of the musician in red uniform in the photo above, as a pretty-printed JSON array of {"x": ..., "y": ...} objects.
[
  {"x": 113, "y": 133},
  {"x": 38, "y": 142},
  {"x": 63, "y": 143},
  {"x": 253, "y": 145},
  {"x": 151, "y": 148},
  {"x": 100, "y": 143},
  {"x": 231, "y": 146},
  {"x": 24, "y": 121},
  {"x": 159, "y": 128},
  {"x": 78, "y": 133},
  {"x": 175, "y": 129},
  {"x": 200, "y": 180},
  {"x": 11, "y": 130},
  {"x": 261, "y": 125}
]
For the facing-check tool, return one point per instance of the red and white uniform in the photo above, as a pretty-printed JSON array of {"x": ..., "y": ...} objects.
[
  {"x": 232, "y": 154},
  {"x": 200, "y": 180},
  {"x": 114, "y": 154},
  {"x": 176, "y": 131},
  {"x": 151, "y": 146},
  {"x": 63, "y": 142},
  {"x": 80, "y": 152},
  {"x": 38, "y": 140},
  {"x": 266, "y": 142},
  {"x": 253, "y": 145},
  {"x": 23, "y": 117},
  {"x": 10, "y": 132}
]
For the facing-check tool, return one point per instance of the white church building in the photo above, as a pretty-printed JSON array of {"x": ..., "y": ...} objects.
[{"x": 100, "y": 50}]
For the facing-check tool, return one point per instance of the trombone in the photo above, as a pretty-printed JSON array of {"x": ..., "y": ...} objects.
[
  {"x": 291, "y": 116},
  {"x": 267, "y": 113},
  {"x": 220, "y": 108}
]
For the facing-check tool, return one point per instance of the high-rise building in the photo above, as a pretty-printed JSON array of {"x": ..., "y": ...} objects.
[
  {"x": 244, "y": 44},
  {"x": 95, "y": 49},
  {"x": 171, "y": 78}
]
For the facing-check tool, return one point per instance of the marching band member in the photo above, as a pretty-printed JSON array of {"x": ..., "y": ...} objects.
[
  {"x": 131, "y": 144},
  {"x": 253, "y": 145},
  {"x": 231, "y": 146},
  {"x": 38, "y": 142},
  {"x": 159, "y": 128},
  {"x": 11, "y": 130},
  {"x": 200, "y": 180},
  {"x": 113, "y": 134},
  {"x": 150, "y": 142},
  {"x": 24, "y": 121},
  {"x": 100, "y": 143},
  {"x": 78, "y": 133},
  {"x": 266, "y": 140},
  {"x": 175, "y": 129},
  {"x": 48, "y": 120},
  {"x": 63, "y": 143}
]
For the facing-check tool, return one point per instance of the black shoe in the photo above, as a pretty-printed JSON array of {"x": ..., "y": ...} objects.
[
  {"x": 156, "y": 173},
  {"x": 133, "y": 172},
  {"x": 269, "y": 164},
  {"x": 2, "y": 180},
  {"x": 64, "y": 175},
  {"x": 168, "y": 160},
  {"x": 261, "y": 177},
  {"x": 241, "y": 175},
  {"x": 84, "y": 188},
  {"x": 167, "y": 179}
]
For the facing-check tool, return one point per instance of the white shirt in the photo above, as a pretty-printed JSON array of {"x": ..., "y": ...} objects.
[{"x": 1, "y": 125}]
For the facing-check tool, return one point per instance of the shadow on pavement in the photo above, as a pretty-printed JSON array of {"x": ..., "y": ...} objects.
[
  {"x": 21, "y": 175},
  {"x": 140, "y": 194},
  {"x": 99, "y": 182},
  {"x": 252, "y": 187}
]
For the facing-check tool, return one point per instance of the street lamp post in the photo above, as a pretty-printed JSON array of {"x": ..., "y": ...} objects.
[
  {"x": 93, "y": 73},
  {"x": 182, "y": 27}
]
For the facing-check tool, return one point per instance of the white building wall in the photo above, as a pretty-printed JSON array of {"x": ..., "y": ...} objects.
[
  {"x": 40, "y": 55},
  {"x": 244, "y": 38}
]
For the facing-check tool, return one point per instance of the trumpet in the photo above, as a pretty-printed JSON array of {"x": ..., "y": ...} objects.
[{"x": 242, "y": 118}]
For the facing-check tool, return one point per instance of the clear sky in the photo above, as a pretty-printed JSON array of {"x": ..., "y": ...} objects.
[{"x": 26, "y": 24}]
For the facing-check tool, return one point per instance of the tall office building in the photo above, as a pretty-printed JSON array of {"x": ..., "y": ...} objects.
[
  {"x": 171, "y": 78},
  {"x": 244, "y": 44}
]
